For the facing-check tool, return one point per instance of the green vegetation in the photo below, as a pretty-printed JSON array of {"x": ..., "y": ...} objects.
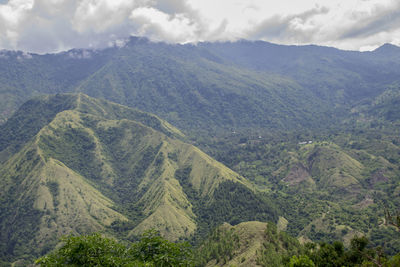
[
  {"x": 73, "y": 164},
  {"x": 210, "y": 87},
  {"x": 219, "y": 246},
  {"x": 121, "y": 171},
  {"x": 95, "y": 250},
  {"x": 223, "y": 247},
  {"x": 330, "y": 189},
  {"x": 278, "y": 248},
  {"x": 98, "y": 166},
  {"x": 263, "y": 244},
  {"x": 26, "y": 123}
]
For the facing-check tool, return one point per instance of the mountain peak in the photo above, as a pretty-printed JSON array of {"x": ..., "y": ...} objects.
[{"x": 387, "y": 48}]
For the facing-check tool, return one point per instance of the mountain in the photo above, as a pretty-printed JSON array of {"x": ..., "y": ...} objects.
[
  {"x": 71, "y": 164},
  {"x": 336, "y": 76},
  {"x": 193, "y": 88},
  {"x": 383, "y": 108},
  {"x": 210, "y": 87},
  {"x": 328, "y": 185},
  {"x": 308, "y": 133}
]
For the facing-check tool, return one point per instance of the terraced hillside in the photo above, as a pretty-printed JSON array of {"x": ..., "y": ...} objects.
[{"x": 86, "y": 165}]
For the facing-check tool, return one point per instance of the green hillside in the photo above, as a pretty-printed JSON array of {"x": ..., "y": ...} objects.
[
  {"x": 306, "y": 134},
  {"x": 193, "y": 91},
  {"x": 98, "y": 166},
  {"x": 327, "y": 185},
  {"x": 211, "y": 87},
  {"x": 266, "y": 244}
]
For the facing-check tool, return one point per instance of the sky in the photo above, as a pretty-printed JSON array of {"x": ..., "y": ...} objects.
[{"x": 47, "y": 26}]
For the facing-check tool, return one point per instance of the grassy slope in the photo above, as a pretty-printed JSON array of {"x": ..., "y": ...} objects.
[
  {"x": 44, "y": 199},
  {"x": 97, "y": 167},
  {"x": 351, "y": 181},
  {"x": 162, "y": 198}
]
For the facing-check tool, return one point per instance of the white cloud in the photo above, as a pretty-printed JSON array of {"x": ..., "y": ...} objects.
[
  {"x": 164, "y": 27},
  {"x": 101, "y": 16},
  {"x": 54, "y": 25}
]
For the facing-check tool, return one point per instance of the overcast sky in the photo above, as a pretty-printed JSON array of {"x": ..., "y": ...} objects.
[{"x": 54, "y": 25}]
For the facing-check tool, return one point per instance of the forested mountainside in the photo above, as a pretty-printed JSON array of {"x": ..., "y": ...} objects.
[
  {"x": 211, "y": 86},
  {"x": 307, "y": 137},
  {"x": 89, "y": 165},
  {"x": 327, "y": 186},
  {"x": 76, "y": 164}
]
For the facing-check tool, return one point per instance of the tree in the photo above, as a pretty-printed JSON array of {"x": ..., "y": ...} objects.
[
  {"x": 87, "y": 250},
  {"x": 393, "y": 220},
  {"x": 159, "y": 251},
  {"x": 301, "y": 261},
  {"x": 96, "y": 250}
]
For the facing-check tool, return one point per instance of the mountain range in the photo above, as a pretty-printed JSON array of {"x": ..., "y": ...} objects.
[
  {"x": 211, "y": 86},
  {"x": 184, "y": 138}
]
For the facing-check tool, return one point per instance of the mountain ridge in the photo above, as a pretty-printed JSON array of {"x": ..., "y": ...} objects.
[
  {"x": 210, "y": 86},
  {"x": 102, "y": 166}
]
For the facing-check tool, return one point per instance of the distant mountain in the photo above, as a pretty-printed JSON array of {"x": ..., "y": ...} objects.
[
  {"x": 336, "y": 76},
  {"x": 74, "y": 164},
  {"x": 389, "y": 50},
  {"x": 384, "y": 108},
  {"x": 210, "y": 86}
]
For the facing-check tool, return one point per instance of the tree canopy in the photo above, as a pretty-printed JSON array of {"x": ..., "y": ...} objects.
[{"x": 97, "y": 250}]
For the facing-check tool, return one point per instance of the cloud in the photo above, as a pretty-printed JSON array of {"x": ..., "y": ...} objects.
[
  {"x": 102, "y": 16},
  {"x": 54, "y": 25},
  {"x": 297, "y": 28},
  {"x": 157, "y": 25},
  {"x": 383, "y": 19},
  {"x": 80, "y": 54}
]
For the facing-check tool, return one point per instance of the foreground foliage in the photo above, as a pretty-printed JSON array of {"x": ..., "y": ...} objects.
[
  {"x": 231, "y": 246},
  {"x": 96, "y": 250},
  {"x": 223, "y": 245}
]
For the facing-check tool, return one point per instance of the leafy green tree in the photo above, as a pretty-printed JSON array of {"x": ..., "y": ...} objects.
[
  {"x": 159, "y": 251},
  {"x": 96, "y": 250},
  {"x": 87, "y": 250},
  {"x": 301, "y": 261}
]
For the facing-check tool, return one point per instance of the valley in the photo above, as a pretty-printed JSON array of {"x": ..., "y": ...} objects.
[{"x": 188, "y": 139}]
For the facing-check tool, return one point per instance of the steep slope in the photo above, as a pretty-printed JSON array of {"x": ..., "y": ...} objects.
[
  {"x": 211, "y": 86},
  {"x": 198, "y": 90},
  {"x": 341, "y": 77},
  {"x": 248, "y": 244},
  {"x": 99, "y": 166},
  {"x": 382, "y": 110},
  {"x": 188, "y": 84},
  {"x": 332, "y": 169},
  {"x": 25, "y": 75},
  {"x": 42, "y": 200}
]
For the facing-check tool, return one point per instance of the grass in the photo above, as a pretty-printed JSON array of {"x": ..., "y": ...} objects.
[{"x": 96, "y": 165}]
